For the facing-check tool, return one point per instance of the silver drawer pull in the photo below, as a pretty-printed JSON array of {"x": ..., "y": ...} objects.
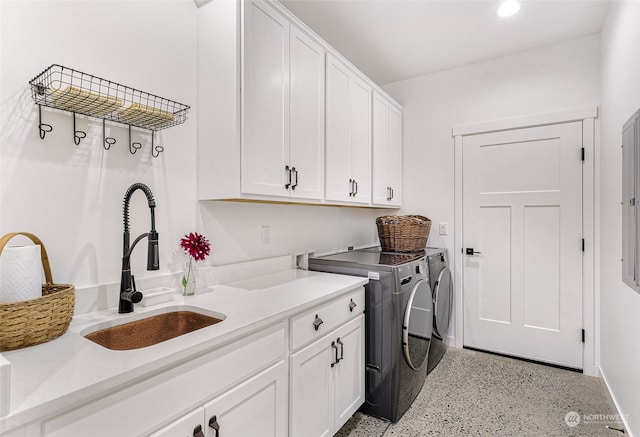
[{"x": 317, "y": 322}]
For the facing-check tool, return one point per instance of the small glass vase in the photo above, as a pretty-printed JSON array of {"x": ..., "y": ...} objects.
[{"x": 189, "y": 279}]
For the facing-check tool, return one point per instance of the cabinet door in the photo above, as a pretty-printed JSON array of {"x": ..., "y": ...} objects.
[
  {"x": 338, "y": 146},
  {"x": 349, "y": 372},
  {"x": 380, "y": 144},
  {"x": 184, "y": 427},
  {"x": 395, "y": 155},
  {"x": 306, "y": 115},
  {"x": 312, "y": 390},
  {"x": 360, "y": 106},
  {"x": 265, "y": 94},
  {"x": 257, "y": 407}
]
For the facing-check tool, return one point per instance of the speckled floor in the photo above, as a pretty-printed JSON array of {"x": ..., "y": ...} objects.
[{"x": 476, "y": 394}]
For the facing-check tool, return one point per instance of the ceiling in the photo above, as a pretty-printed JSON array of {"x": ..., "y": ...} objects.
[{"x": 392, "y": 40}]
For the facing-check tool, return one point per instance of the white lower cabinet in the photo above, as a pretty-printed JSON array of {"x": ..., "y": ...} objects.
[
  {"x": 257, "y": 407},
  {"x": 187, "y": 426},
  {"x": 327, "y": 381},
  {"x": 301, "y": 377},
  {"x": 160, "y": 400}
]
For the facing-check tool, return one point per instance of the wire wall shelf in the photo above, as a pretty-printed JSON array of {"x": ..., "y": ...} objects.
[{"x": 73, "y": 91}]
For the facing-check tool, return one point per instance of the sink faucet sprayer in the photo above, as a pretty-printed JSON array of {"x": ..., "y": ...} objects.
[{"x": 128, "y": 293}]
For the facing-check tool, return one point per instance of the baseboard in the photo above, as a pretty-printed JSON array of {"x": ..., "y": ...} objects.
[{"x": 612, "y": 399}]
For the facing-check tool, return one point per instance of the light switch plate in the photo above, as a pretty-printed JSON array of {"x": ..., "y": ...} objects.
[{"x": 444, "y": 228}]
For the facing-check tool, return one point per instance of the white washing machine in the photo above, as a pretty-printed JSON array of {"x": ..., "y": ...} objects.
[{"x": 442, "y": 292}]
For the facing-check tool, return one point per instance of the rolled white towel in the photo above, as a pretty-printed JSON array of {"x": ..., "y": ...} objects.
[{"x": 20, "y": 273}]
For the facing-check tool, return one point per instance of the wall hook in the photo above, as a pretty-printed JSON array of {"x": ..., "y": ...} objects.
[
  {"x": 44, "y": 128},
  {"x": 133, "y": 147},
  {"x": 107, "y": 142},
  {"x": 78, "y": 135},
  {"x": 155, "y": 150}
]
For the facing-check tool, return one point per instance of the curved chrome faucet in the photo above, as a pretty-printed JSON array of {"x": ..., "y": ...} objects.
[{"x": 128, "y": 293}]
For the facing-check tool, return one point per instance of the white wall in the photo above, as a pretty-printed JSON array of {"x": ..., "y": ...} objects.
[
  {"x": 620, "y": 305},
  {"x": 71, "y": 196},
  {"x": 234, "y": 228},
  {"x": 543, "y": 80}
]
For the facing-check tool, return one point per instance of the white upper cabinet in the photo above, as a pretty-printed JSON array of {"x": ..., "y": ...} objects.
[
  {"x": 387, "y": 152},
  {"x": 348, "y": 127},
  {"x": 265, "y": 101},
  {"x": 306, "y": 156},
  {"x": 282, "y": 107},
  {"x": 281, "y": 116}
]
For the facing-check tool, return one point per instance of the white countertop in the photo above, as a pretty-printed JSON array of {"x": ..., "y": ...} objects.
[{"x": 50, "y": 378}]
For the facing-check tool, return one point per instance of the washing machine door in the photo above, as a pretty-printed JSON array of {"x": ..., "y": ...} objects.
[
  {"x": 418, "y": 325},
  {"x": 443, "y": 302}
]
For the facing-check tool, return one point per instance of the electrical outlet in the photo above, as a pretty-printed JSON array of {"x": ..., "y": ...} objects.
[
  {"x": 444, "y": 228},
  {"x": 265, "y": 234}
]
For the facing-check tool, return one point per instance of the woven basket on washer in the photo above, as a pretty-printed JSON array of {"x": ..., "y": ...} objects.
[
  {"x": 403, "y": 233},
  {"x": 34, "y": 321}
]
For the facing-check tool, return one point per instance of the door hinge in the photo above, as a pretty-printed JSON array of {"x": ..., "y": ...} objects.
[
  {"x": 583, "y": 244},
  {"x": 583, "y": 335},
  {"x": 582, "y": 154}
]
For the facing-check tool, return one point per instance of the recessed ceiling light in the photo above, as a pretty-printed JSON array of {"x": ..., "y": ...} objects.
[{"x": 508, "y": 8}]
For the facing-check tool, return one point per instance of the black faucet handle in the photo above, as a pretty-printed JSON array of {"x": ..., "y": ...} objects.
[
  {"x": 133, "y": 283},
  {"x": 132, "y": 296}
]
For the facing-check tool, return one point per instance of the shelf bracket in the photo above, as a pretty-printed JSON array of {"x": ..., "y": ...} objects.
[
  {"x": 155, "y": 150},
  {"x": 133, "y": 147},
  {"x": 44, "y": 128},
  {"x": 78, "y": 135},
  {"x": 107, "y": 142}
]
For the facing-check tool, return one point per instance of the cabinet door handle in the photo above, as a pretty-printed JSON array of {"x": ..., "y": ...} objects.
[
  {"x": 356, "y": 185},
  {"x": 197, "y": 431},
  {"x": 352, "y": 305},
  {"x": 341, "y": 350},
  {"x": 295, "y": 172},
  {"x": 317, "y": 322},
  {"x": 388, "y": 194},
  {"x": 350, "y": 187},
  {"x": 288, "y": 176},
  {"x": 392, "y": 194},
  {"x": 333, "y": 345},
  {"x": 213, "y": 423}
]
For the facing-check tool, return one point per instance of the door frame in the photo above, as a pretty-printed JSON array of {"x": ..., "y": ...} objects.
[{"x": 590, "y": 219}]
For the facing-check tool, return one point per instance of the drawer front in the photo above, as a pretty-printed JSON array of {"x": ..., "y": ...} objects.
[
  {"x": 161, "y": 399},
  {"x": 183, "y": 427},
  {"x": 332, "y": 314}
]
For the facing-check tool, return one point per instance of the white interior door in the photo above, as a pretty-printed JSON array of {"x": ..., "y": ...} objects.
[{"x": 522, "y": 211}]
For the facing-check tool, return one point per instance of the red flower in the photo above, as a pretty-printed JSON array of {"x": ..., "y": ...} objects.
[{"x": 196, "y": 246}]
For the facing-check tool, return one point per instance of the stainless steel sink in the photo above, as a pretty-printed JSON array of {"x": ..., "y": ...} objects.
[{"x": 151, "y": 330}]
